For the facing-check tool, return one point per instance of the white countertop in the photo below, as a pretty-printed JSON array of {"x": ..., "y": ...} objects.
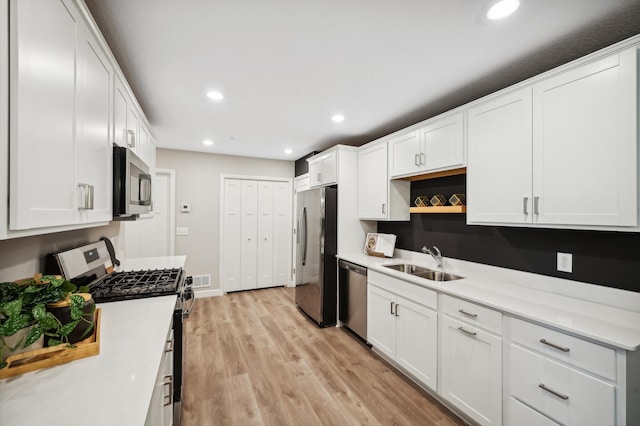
[
  {"x": 530, "y": 296},
  {"x": 111, "y": 388}
]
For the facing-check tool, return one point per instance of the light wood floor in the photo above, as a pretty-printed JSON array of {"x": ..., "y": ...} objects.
[{"x": 253, "y": 359}]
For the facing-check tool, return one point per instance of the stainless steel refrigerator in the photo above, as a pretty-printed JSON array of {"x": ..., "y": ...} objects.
[{"x": 316, "y": 264}]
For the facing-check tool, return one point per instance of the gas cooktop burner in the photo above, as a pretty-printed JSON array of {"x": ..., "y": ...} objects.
[{"x": 136, "y": 284}]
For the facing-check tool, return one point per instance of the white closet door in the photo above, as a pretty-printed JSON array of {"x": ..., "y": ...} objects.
[
  {"x": 282, "y": 233},
  {"x": 249, "y": 235},
  {"x": 231, "y": 237},
  {"x": 265, "y": 234}
]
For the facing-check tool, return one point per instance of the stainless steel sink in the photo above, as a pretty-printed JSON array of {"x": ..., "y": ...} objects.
[
  {"x": 408, "y": 268},
  {"x": 437, "y": 276},
  {"x": 421, "y": 272}
]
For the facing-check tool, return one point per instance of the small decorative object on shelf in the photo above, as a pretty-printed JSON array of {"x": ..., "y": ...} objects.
[
  {"x": 438, "y": 200},
  {"x": 457, "y": 200},
  {"x": 422, "y": 201}
]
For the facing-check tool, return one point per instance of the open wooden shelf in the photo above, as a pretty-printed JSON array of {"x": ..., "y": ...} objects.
[
  {"x": 439, "y": 209},
  {"x": 453, "y": 172}
]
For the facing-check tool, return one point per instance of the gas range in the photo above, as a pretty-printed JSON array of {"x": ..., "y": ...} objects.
[{"x": 128, "y": 285}]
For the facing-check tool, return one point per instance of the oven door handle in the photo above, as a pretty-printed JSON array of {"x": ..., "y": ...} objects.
[{"x": 189, "y": 291}]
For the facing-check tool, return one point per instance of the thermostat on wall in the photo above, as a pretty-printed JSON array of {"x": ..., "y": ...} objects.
[{"x": 184, "y": 208}]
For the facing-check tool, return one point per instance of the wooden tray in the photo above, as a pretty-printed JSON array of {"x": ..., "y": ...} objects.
[{"x": 55, "y": 355}]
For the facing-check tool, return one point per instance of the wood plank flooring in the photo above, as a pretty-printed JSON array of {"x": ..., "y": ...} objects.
[{"x": 253, "y": 359}]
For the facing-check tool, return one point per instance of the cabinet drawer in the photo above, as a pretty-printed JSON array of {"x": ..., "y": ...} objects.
[
  {"x": 519, "y": 414},
  {"x": 474, "y": 314},
  {"x": 415, "y": 292},
  {"x": 560, "y": 392},
  {"x": 590, "y": 356}
]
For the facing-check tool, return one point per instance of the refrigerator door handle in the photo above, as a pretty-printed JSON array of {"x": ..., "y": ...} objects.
[{"x": 304, "y": 236}]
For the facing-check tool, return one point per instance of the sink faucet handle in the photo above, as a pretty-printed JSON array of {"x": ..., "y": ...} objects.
[{"x": 437, "y": 250}]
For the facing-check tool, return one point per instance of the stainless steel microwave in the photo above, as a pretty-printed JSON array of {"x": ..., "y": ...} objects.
[{"x": 131, "y": 185}]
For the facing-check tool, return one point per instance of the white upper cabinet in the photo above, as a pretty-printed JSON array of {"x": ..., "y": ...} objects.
[
  {"x": 93, "y": 137},
  {"x": 585, "y": 144},
  {"x": 378, "y": 197},
  {"x": 437, "y": 145},
  {"x": 323, "y": 169},
  {"x": 559, "y": 153},
  {"x": 60, "y": 141},
  {"x": 499, "y": 169}
]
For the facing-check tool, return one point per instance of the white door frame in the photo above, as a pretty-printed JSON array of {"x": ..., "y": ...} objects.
[{"x": 171, "y": 207}]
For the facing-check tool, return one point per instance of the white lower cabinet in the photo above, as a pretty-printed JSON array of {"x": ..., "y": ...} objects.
[
  {"x": 471, "y": 366},
  {"x": 404, "y": 327},
  {"x": 160, "y": 411},
  {"x": 562, "y": 377}
]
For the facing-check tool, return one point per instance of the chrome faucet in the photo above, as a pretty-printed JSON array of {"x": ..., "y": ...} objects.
[{"x": 436, "y": 254}]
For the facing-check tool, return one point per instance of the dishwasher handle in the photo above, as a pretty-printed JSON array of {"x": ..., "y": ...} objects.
[{"x": 352, "y": 267}]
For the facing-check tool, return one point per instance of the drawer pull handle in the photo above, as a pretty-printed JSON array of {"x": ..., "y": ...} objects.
[
  {"x": 463, "y": 312},
  {"x": 551, "y": 391},
  {"x": 543, "y": 341},
  {"x": 470, "y": 333}
]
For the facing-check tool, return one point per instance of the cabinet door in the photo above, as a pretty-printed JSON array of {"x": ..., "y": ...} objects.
[
  {"x": 381, "y": 320},
  {"x": 265, "y": 234},
  {"x": 373, "y": 185},
  {"x": 499, "y": 167},
  {"x": 249, "y": 235},
  {"x": 471, "y": 370},
  {"x": 282, "y": 258},
  {"x": 404, "y": 154},
  {"x": 442, "y": 143},
  {"x": 120, "y": 111},
  {"x": 417, "y": 340},
  {"x": 133, "y": 128},
  {"x": 315, "y": 173},
  {"x": 93, "y": 136},
  {"x": 230, "y": 263},
  {"x": 43, "y": 110},
  {"x": 587, "y": 118},
  {"x": 330, "y": 169}
]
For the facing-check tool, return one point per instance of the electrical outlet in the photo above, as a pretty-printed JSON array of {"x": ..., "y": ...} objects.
[
  {"x": 185, "y": 208},
  {"x": 565, "y": 262},
  {"x": 182, "y": 230}
]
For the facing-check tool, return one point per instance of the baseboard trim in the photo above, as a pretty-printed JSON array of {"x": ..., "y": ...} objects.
[{"x": 208, "y": 293}]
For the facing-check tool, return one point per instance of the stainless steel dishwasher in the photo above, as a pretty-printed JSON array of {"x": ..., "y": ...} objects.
[{"x": 353, "y": 297}]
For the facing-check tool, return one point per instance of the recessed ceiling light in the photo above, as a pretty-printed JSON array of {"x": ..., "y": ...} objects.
[
  {"x": 288, "y": 151},
  {"x": 215, "y": 95},
  {"x": 338, "y": 118},
  {"x": 207, "y": 142},
  {"x": 502, "y": 9}
]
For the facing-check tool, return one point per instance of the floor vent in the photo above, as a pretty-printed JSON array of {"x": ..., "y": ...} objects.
[{"x": 200, "y": 281}]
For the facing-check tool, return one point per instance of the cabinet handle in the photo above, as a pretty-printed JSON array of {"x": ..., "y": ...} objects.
[
  {"x": 169, "y": 346},
  {"x": 396, "y": 310},
  {"x": 86, "y": 191},
  {"x": 168, "y": 380},
  {"x": 422, "y": 158},
  {"x": 463, "y": 312},
  {"x": 553, "y": 345},
  {"x": 552, "y": 392},
  {"x": 470, "y": 333},
  {"x": 536, "y": 205},
  {"x": 384, "y": 208},
  {"x": 319, "y": 177},
  {"x": 416, "y": 160},
  {"x": 131, "y": 136},
  {"x": 392, "y": 313},
  {"x": 525, "y": 205}
]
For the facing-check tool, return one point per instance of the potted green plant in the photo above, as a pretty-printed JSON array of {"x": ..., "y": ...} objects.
[{"x": 39, "y": 305}]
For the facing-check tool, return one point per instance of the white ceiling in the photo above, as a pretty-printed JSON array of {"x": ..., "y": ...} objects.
[{"x": 286, "y": 66}]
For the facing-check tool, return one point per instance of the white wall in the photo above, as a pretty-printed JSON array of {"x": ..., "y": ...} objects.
[
  {"x": 24, "y": 257},
  {"x": 198, "y": 184}
]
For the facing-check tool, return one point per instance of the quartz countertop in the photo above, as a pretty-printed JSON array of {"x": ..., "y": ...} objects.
[
  {"x": 111, "y": 388},
  {"x": 530, "y": 296}
]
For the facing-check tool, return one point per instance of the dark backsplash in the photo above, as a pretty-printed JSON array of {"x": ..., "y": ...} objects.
[{"x": 609, "y": 259}]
